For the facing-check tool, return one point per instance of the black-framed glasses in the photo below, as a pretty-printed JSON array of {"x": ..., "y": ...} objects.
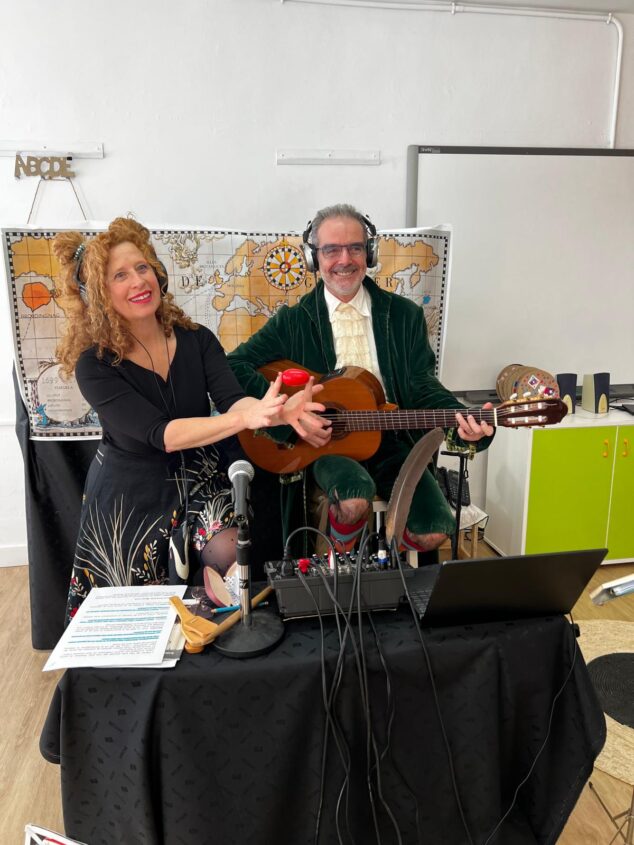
[{"x": 335, "y": 250}]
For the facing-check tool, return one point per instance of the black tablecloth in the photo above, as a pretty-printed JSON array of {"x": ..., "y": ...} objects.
[{"x": 230, "y": 751}]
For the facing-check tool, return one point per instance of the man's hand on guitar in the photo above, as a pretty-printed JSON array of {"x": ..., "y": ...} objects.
[
  {"x": 471, "y": 430},
  {"x": 300, "y": 412}
]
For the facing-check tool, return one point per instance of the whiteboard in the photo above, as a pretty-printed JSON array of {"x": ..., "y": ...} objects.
[{"x": 542, "y": 269}]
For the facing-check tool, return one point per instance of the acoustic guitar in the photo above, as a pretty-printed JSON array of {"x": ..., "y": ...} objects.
[{"x": 355, "y": 404}]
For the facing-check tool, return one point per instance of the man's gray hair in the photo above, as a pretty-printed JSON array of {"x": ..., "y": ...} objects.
[{"x": 341, "y": 209}]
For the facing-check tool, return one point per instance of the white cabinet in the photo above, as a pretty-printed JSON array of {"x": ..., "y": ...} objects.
[{"x": 568, "y": 486}]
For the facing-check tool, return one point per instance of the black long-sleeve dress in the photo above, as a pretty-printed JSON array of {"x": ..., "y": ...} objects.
[{"x": 137, "y": 496}]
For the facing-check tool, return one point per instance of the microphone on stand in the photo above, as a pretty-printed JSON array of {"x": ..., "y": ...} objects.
[
  {"x": 260, "y": 632},
  {"x": 240, "y": 475}
]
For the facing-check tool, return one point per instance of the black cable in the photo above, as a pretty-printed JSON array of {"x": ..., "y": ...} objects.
[
  {"x": 363, "y": 681},
  {"x": 330, "y": 721},
  {"x": 324, "y": 536},
  {"x": 338, "y": 674},
  {"x": 391, "y": 715},
  {"x": 356, "y": 654},
  {"x": 338, "y": 677},
  {"x": 371, "y": 743},
  {"x": 373, "y": 757},
  {"x": 444, "y": 734},
  {"x": 359, "y": 657},
  {"x": 542, "y": 746},
  {"x": 184, "y": 523},
  {"x": 394, "y": 552}
]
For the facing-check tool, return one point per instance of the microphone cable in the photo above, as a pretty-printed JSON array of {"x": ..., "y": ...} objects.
[
  {"x": 430, "y": 671},
  {"x": 327, "y": 693},
  {"x": 339, "y": 673},
  {"x": 371, "y": 742},
  {"x": 360, "y": 663},
  {"x": 336, "y": 683},
  {"x": 391, "y": 715},
  {"x": 331, "y": 724},
  {"x": 287, "y": 556},
  {"x": 184, "y": 527}
]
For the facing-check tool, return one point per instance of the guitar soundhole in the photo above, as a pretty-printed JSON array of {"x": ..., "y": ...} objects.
[{"x": 339, "y": 429}]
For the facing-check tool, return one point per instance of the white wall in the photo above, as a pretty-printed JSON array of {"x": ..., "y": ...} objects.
[{"x": 192, "y": 98}]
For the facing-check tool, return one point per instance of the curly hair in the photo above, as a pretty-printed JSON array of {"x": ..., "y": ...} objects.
[{"x": 95, "y": 322}]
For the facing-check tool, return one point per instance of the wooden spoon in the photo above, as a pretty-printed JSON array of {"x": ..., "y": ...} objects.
[{"x": 199, "y": 632}]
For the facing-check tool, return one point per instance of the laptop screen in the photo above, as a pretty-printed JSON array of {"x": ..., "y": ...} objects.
[{"x": 488, "y": 589}]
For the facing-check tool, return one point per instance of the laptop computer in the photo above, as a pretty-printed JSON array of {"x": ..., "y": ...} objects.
[{"x": 497, "y": 588}]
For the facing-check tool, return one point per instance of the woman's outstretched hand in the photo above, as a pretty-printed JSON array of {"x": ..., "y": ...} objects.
[{"x": 265, "y": 412}]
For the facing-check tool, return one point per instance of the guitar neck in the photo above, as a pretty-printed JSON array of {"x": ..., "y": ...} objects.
[{"x": 397, "y": 420}]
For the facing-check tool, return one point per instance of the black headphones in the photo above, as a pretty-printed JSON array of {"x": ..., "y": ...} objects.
[
  {"x": 161, "y": 274},
  {"x": 371, "y": 245}
]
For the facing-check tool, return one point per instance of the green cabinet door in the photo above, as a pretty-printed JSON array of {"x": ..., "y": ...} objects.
[
  {"x": 621, "y": 524},
  {"x": 569, "y": 490}
]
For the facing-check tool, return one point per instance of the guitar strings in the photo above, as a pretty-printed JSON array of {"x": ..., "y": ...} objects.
[{"x": 372, "y": 420}]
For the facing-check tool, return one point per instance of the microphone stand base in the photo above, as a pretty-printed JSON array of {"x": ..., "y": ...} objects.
[{"x": 264, "y": 633}]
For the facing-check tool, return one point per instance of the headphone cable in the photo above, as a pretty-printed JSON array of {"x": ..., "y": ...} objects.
[{"x": 183, "y": 468}]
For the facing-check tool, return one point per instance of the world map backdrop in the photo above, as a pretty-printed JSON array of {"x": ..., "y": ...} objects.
[{"x": 229, "y": 281}]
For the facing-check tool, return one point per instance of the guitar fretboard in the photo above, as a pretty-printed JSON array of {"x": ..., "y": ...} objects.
[{"x": 395, "y": 420}]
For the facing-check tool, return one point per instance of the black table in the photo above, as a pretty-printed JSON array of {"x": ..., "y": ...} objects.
[{"x": 229, "y": 751}]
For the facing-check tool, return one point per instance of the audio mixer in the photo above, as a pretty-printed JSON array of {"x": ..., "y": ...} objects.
[{"x": 381, "y": 586}]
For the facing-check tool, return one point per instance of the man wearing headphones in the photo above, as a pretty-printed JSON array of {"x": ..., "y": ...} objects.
[{"x": 348, "y": 320}]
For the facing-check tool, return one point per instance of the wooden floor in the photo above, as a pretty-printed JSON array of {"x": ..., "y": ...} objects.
[{"x": 29, "y": 786}]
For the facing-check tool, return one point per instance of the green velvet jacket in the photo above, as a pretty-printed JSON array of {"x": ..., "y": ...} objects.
[{"x": 303, "y": 334}]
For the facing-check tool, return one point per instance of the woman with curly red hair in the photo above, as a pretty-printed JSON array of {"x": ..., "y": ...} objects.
[{"x": 149, "y": 373}]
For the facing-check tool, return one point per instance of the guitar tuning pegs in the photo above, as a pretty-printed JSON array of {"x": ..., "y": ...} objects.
[
  {"x": 527, "y": 395},
  {"x": 513, "y": 397}
]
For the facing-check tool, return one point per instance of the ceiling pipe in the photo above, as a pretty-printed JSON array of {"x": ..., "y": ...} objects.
[{"x": 454, "y": 8}]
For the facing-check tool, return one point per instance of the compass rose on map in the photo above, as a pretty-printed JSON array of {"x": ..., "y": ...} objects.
[{"x": 284, "y": 266}]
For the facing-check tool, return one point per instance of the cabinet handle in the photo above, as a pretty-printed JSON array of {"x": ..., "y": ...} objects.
[
  {"x": 606, "y": 445},
  {"x": 626, "y": 450}
]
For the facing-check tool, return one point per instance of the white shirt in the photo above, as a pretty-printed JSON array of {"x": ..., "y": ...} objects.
[{"x": 363, "y": 304}]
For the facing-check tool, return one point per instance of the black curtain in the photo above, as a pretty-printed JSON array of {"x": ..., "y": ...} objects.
[{"x": 54, "y": 474}]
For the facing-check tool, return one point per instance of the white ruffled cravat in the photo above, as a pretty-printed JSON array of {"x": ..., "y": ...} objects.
[{"x": 349, "y": 331}]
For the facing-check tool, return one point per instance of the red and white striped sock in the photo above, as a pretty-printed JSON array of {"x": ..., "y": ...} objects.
[
  {"x": 410, "y": 544},
  {"x": 344, "y": 535}
]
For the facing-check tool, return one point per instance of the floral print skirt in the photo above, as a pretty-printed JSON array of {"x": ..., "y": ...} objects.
[{"x": 151, "y": 520}]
